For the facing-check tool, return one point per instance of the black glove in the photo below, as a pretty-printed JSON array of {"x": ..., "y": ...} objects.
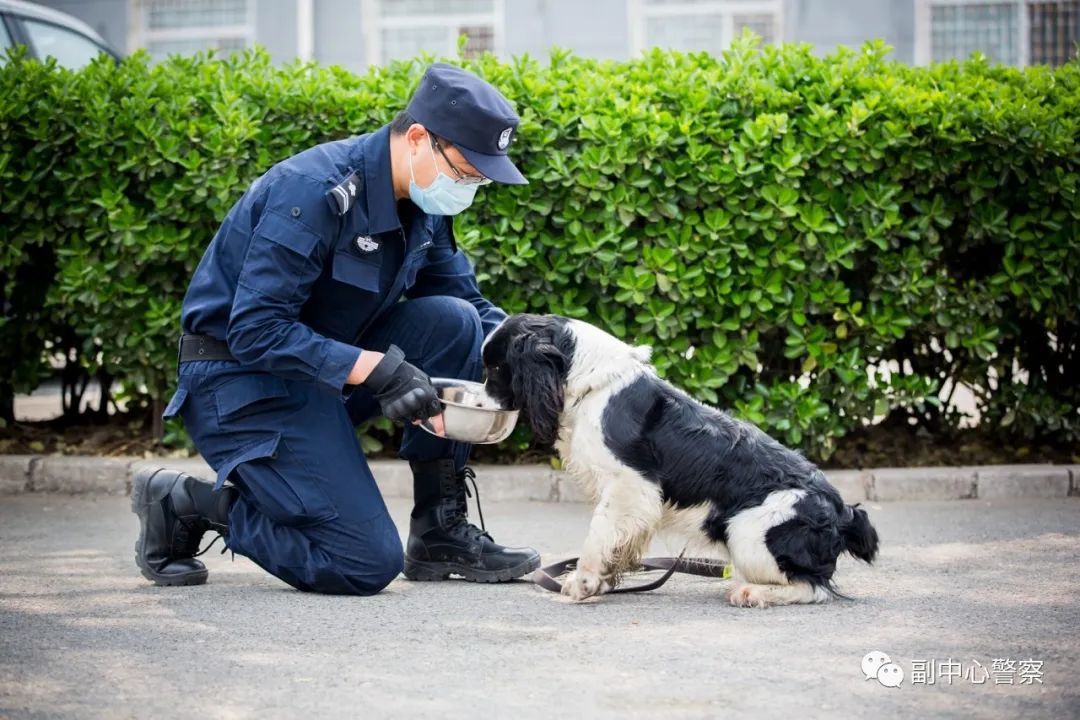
[{"x": 403, "y": 390}]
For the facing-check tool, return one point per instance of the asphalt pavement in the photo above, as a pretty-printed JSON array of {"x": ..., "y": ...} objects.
[{"x": 960, "y": 586}]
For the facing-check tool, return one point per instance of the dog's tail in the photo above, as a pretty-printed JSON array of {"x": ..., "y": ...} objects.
[{"x": 859, "y": 536}]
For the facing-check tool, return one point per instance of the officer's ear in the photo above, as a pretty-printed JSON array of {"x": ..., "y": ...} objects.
[{"x": 416, "y": 135}]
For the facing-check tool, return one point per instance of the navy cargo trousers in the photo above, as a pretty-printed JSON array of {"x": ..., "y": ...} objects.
[{"x": 309, "y": 511}]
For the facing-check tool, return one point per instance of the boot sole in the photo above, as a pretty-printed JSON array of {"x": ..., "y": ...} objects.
[
  {"x": 138, "y": 491},
  {"x": 431, "y": 571}
]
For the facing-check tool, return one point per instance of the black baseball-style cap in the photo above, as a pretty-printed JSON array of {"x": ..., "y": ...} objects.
[{"x": 467, "y": 111}]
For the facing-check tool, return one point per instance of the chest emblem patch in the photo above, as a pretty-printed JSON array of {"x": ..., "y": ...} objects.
[{"x": 365, "y": 244}]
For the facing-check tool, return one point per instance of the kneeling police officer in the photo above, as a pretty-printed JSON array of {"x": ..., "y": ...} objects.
[{"x": 332, "y": 291}]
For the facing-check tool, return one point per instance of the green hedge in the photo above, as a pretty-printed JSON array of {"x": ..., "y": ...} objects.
[{"x": 773, "y": 222}]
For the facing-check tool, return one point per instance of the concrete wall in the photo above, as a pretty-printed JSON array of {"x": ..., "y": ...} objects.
[
  {"x": 275, "y": 28},
  {"x": 597, "y": 29},
  {"x": 339, "y": 35},
  {"x": 829, "y": 23},
  {"x": 108, "y": 17}
]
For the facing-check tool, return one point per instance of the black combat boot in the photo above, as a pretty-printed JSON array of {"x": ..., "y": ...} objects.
[
  {"x": 443, "y": 542},
  {"x": 175, "y": 510}
]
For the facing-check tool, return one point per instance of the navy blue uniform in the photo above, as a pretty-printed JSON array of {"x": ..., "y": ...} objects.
[{"x": 316, "y": 261}]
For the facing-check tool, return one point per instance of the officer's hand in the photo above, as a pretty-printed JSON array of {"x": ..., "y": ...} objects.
[
  {"x": 436, "y": 423},
  {"x": 403, "y": 390}
]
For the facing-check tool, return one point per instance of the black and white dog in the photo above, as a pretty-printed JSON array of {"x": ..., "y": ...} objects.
[{"x": 655, "y": 459}]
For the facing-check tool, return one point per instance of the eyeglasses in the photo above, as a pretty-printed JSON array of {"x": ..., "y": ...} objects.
[{"x": 461, "y": 178}]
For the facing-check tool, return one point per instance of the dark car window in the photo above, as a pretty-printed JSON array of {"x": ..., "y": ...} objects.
[
  {"x": 70, "y": 49},
  {"x": 5, "y": 41}
]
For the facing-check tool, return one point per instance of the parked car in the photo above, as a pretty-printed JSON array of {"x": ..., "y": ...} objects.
[{"x": 47, "y": 32}]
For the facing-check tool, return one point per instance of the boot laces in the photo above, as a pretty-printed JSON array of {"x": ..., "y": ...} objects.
[
  {"x": 470, "y": 475},
  {"x": 189, "y": 536},
  {"x": 461, "y": 517},
  {"x": 206, "y": 549}
]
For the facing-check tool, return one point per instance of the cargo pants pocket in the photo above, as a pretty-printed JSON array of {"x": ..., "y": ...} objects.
[
  {"x": 278, "y": 485},
  {"x": 245, "y": 395}
]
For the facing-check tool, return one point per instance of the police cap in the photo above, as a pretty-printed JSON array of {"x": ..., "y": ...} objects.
[{"x": 467, "y": 111}]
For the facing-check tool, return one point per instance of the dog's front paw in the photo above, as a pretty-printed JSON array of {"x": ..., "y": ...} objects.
[
  {"x": 582, "y": 584},
  {"x": 747, "y": 595}
]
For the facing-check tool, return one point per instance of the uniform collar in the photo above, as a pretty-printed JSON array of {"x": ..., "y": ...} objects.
[{"x": 379, "y": 183}]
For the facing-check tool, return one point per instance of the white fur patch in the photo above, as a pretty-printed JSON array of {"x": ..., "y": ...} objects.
[
  {"x": 746, "y": 537},
  {"x": 685, "y": 527},
  {"x": 602, "y": 361}
]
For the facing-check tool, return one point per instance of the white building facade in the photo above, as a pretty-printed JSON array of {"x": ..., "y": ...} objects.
[{"x": 359, "y": 33}]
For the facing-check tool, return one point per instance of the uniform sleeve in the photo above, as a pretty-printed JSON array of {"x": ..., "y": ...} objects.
[
  {"x": 285, "y": 256},
  {"x": 450, "y": 273}
]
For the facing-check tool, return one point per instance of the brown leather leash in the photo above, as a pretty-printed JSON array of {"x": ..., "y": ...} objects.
[{"x": 706, "y": 567}]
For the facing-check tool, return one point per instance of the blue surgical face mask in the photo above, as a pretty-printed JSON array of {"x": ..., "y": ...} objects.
[{"x": 443, "y": 196}]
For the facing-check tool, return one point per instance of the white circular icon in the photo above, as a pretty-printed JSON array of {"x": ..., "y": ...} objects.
[
  {"x": 890, "y": 675},
  {"x": 872, "y": 662}
]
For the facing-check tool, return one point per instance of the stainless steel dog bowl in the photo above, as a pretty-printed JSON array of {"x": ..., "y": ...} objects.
[{"x": 470, "y": 414}]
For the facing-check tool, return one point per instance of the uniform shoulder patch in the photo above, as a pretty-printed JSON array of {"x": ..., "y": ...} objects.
[{"x": 343, "y": 195}]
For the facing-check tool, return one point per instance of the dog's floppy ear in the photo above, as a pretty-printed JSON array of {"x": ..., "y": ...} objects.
[{"x": 539, "y": 369}]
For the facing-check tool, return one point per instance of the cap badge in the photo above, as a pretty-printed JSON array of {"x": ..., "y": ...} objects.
[
  {"x": 365, "y": 244},
  {"x": 504, "y": 138}
]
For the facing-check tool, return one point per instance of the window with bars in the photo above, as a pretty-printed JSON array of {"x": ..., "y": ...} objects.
[
  {"x": 1014, "y": 32},
  {"x": 708, "y": 25},
  {"x": 166, "y": 27},
  {"x": 959, "y": 30},
  {"x": 1053, "y": 32},
  {"x": 402, "y": 29}
]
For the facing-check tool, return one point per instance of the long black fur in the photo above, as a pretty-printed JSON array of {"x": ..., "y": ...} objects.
[{"x": 526, "y": 362}]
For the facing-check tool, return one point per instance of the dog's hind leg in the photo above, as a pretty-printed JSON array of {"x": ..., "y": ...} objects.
[
  {"x": 622, "y": 525},
  {"x": 758, "y": 579},
  {"x": 744, "y": 594}
]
